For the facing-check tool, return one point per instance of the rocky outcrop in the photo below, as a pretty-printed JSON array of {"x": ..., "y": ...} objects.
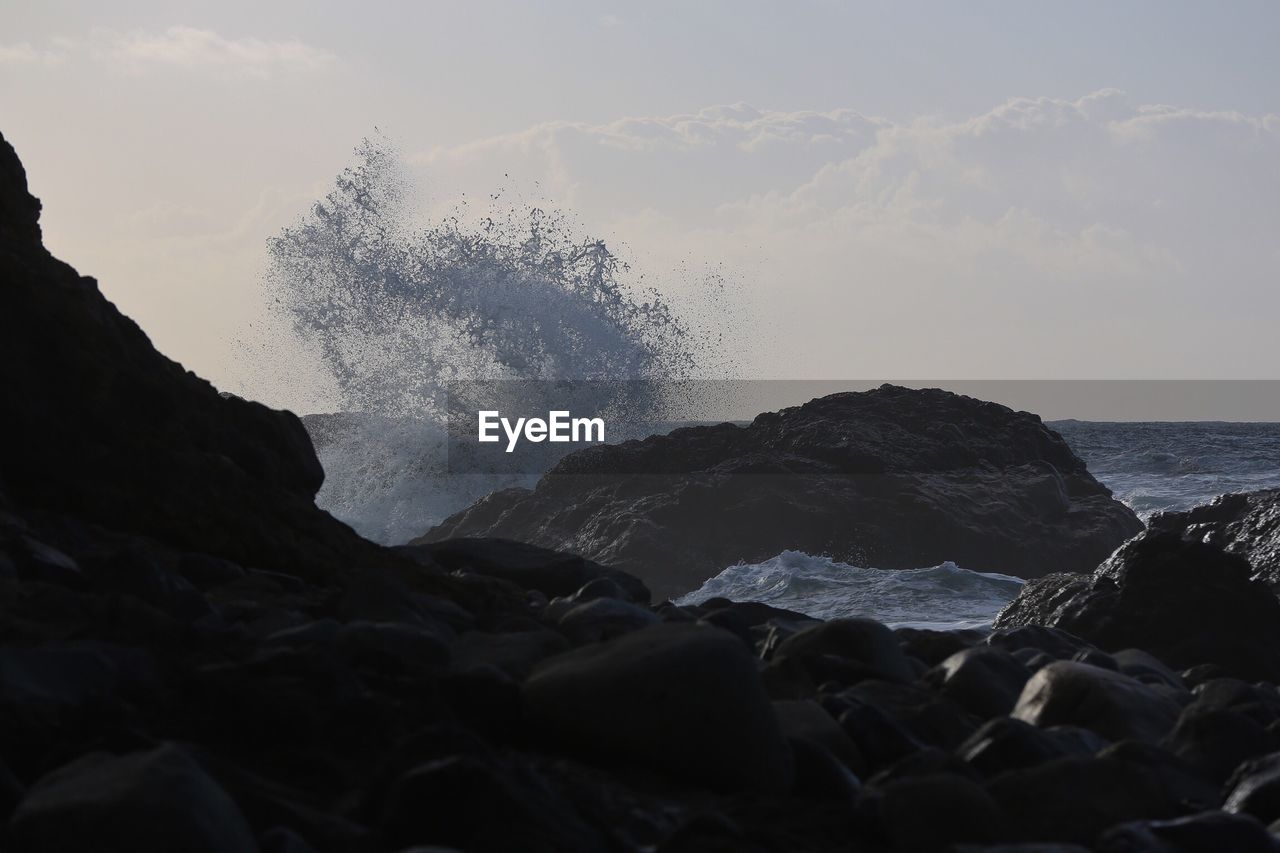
[
  {"x": 101, "y": 427},
  {"x": 1247, "y": 524},
  {"x": 1186, "y": 601},
  {"x": 892, "y": 478},
  {"x": 170, "y": 682}
]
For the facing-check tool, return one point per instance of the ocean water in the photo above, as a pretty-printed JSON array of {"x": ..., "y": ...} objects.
[
  {"x": 1149, "y": 466},
  {"x": 399, "y": 312}
]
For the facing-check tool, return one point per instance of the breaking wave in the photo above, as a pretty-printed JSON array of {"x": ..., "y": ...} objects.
[
  {"x": 402, "y": 315},
  {"x": 944, "y": 596}
]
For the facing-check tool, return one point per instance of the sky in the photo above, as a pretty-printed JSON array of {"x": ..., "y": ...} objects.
[{"x": 969, "y": 191}]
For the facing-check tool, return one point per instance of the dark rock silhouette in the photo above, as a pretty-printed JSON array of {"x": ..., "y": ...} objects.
[
  {"x": 1183, "y": 600},
  {"x": 1246, "y": 523},
  {"x": 193, "y": 657},
  {"x": 102, "y": 427},
  {"x": 892, "y": 478}
]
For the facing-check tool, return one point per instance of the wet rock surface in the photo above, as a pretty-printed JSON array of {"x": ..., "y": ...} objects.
[
  {"x": 891, "y": 478},
  {"x": 192, "y": 657},
  {"x": 1186, "y": 601}
]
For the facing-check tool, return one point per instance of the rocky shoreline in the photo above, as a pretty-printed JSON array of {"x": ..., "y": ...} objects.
[
  {"x": 193, "y": 657},
  {"x": 892, "y": 478}
]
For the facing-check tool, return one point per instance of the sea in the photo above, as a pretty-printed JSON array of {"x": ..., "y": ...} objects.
[
  {"x": 396, "y": 308},
  {"x": 1151, "y": 467}
]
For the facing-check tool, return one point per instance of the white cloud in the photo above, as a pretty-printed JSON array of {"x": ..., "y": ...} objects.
[
  {"x": 1043, "y": 226},
  {"x": 178, "y": 47}
]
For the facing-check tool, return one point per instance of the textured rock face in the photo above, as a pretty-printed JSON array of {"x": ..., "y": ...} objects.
[
  {"x": 1247, "y": 524},
  {"x": 1185, "y": 601},
  {"x": 100, "y": 426},
  {"x": 892, "y": 478}
]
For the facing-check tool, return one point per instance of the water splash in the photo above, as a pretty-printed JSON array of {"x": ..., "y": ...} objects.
[
  {"x": 400, "y": 315},
  {"x": 942, "y": 597},
  {"x": 397, "y": 312}
]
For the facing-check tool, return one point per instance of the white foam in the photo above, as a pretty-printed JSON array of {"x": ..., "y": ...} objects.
[{"x": 945, "y": 596}]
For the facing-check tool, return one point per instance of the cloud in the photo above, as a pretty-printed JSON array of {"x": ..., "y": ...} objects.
[
  {"x": 177, "y": 47},
  {"x": 1044, "y": 226}
]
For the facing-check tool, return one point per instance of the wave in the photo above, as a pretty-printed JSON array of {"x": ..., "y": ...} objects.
[
  {"x": 940, "y": 597},
  {"x": 402, "y": 316}
]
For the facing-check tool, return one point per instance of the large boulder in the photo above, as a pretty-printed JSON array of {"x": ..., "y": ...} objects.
[
  {"x": 681, "y": 698},
  {"x": 1247, "y": 524},
  {"x": 1184, "y": 600},
  {"x": 893, "y": 478},
  {"x": 529, "y": 566},
  {"x": 1115, "y": 706},
  {"x": 157, "y": 800},
  {"x": 100, "y": 426}
]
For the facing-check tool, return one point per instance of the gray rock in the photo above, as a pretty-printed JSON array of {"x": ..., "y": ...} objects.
[
  {"x": 895, "y": 478},
  {"x": 605, "y": 618},
  {"x": 1254, "y": 789},
  {"x": 159, "y": 800},
  {"x": 682, "y": 699},
  {"x": 984, "y": 680},
  {"x": 515, "y": 653},
  {"x": 1207, "y": 832},
  {"x": 1180, "y": 599},
  {"x": 1075, "y": 799},
  {"x": 1113, "y": 705},
  {"x": 864, "y": 642}
]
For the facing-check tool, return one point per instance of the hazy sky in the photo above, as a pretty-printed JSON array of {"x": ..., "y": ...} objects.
[{"x": 985, "y": 190}]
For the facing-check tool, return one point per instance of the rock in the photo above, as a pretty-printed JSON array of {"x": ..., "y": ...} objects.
[
  {"x": 1184, "y": 601},
  {"x": 820, "y": 775},
  {"x": 1147, "y": 668},
  {"x": 1113, "y": 705},
  {"x": 932, "y": 719},
  {"x": 1029, "y": 847},
  {"x": 985, "y": 681},
  {"x": 930, "y": 813},
  {"x": 1217, "y": 740},
  {"x": 1005, "y": 743},
  {"x": 603, "y": 619},
  {"x": 880, "y": 739},
  {"x": 893, "y": 478},
  {"x": 1254, "y": 789},
  {"x": 682, "y": 699},
  {"x": 868, "y": 645},
  {"x": 548, "y": 571},
  {"x": 159, "y": 800},
  {"x": 108, "y": 430},
  {"x": 1246, "y": 523},
  {"x": 391, "y": 648},
  {"x": 472, "y": 804},
  {"x": 1183, "y": 783},
  {"x": 515, "y": 653},
  {"x": 1207, "y": 832},
  {"x": 933, "y": 647},
  {"x": 808, "y": 720},
  {"x": 1054, "y": 642},
  {"x": 1075, "y": 799}
]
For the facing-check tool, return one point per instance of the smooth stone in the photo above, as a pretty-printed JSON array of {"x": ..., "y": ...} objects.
[
  {"x": 605, "y": 618},
  {"x": 1207, "y": 832},
  {"x": 160, "y": 800},
  {"x": 1075, "y": 799},
  {"x": 515, "y": 653},
  {"x": 985, "y": 681},
  {"x": 1254, "y": 789},
  {"x": 682, "y": 699},
  {"x": 1113, "y": 705},
  {"x": 868, "y": 643}
]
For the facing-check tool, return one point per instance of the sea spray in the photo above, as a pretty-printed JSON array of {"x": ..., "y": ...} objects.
[
  {"x": 944, "y": 596},
  {"x": 401, "y": 316}
]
